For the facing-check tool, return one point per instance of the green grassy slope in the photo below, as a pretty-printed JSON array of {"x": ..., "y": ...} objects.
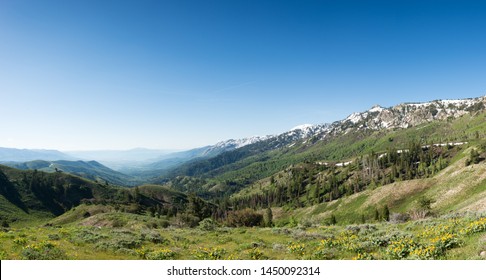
[
  {"x": 235, "y": 170},
  {"x": 457, "y": 188},
  {"x": 27, "y": 195}
]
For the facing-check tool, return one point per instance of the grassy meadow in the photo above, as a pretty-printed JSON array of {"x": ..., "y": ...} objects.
[{"x": 142, "y": 237}]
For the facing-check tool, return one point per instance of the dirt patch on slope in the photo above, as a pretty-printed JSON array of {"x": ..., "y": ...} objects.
[{"x": 397, "y": 191}]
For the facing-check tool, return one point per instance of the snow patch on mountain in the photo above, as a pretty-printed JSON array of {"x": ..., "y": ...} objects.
[
  {"x": 411, "y": 114},
  {"x": 377, "y": 117},
  {"x": 376, "y": 108},
  {"x": 303, "y": 127},
  {"x": 238, "y": 143}
]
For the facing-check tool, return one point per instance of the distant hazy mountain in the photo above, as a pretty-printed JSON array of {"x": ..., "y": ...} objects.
[
  {"x": 267, "y": 142},
  {"x": 87, "y": 169},
  {"x": 137, "y": 154},
  {"x": 11, "y": 154},
  {"x": 121, "y": 159}
]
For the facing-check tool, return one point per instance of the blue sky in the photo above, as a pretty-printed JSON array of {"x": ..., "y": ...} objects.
[{"x": 83, "y": 75}]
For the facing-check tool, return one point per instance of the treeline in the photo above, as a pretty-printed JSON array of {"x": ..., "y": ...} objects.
[{"x": 309, "y": 184}]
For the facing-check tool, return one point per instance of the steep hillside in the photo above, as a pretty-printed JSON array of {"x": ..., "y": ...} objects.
[
  {"x": 27, "y": 195},
  {"x": 459, "y": 188},
  {"x": 233, "y": 177},
  {"x": 375, "y": 130}
]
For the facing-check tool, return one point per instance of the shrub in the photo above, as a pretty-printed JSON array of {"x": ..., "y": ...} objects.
[
  {"x": 425, "y": 203},
  {"x": 209, "y": 254},
  {"x": 164, "y": 254},
  {"x": 5, "y": 224},
  {"x": 364, "y": 256},
  {"x": 86, "y": 236},
  {"x": 120, "y": 240},
  {"x": 42, "y": 251},
  {"x": 189, "y": 220},
  {"x": 322, "y": 253},
  {"x": 292, "y": 222},
  {"x": 207, "y": 224},
  {"x": 297, "y": 249},
  {"x": 306, "y": 223},
  {"x": 397, "y": 218},
  {"x": 332, "y": 220},
  {"x": 256, "y": 254},
  {"x": 244, "y": 218},
  {"x": 400, "y": 249},
  {"x": 118, "y": 223},
  {"x": 54, "y": 237},
  {"x": 156, "y": 238},
  {"x": 3, "y": 255},
  {"x": 475, "y": 226},
  {"x": 20, "y": 241},
  {"x": 418, "y": 214},
  {"x": 164, "y": 223},
  {"x": 386, "y": 213},
  {"x": 268, "y": 219}
]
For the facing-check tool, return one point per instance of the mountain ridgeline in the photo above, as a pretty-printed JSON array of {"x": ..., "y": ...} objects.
[
  {"x": 359, "y": 133},
  {"x": 309, "y": 168},
  {"x": 88, "y": 169},
  {"x": 27, "y": 193}
]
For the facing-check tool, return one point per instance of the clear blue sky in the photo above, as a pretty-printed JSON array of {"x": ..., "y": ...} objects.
[{"x": 81, "y": 75}]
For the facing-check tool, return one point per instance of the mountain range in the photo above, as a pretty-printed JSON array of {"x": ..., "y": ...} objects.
[
  {"x": 144, "y": 165},
  {"x": 422, "y": 165},
  {"x": 20, "y": 155}
]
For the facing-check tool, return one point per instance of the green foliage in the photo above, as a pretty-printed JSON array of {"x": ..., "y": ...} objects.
[
  {"x": 207, "y": 224},
  {"x": 189, "y": 220},
  {"x": 268, "y": 217},
  {"x": 474, "y": 157},
  {"x": 91, "y": 170},
  {"x": 256, "y": 254},
  {"x": 377, "y": 215},
  {"x": 436, "y": 238},
  {"x": 244, "y": 218},
  {"x": 163, "y": 254},
  {"x": 332, "y": 220},
  {"x": 297, "y": 249},
  {"x": 386, "y": 213},
  {"x": 425, "y": 203},
  {"x": 42, "y": 251},
  {"x": 202, "y": 253}
]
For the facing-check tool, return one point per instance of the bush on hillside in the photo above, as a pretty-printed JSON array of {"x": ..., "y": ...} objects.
[{"x": 244, "y": 218}]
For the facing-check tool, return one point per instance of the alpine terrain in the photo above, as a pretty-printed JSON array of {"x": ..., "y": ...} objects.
[{"x": 403, "y": 182}]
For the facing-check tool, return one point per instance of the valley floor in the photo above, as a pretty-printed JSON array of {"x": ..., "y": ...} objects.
[{"x": 454, "y": 237}]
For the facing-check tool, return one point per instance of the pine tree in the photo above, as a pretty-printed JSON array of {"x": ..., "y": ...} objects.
[
  {"x": 332, "y": 220},
  {"x": 377, "y": 215},
  {"x": 268, "y": 218},
  {"x": 386, "y": 213}
]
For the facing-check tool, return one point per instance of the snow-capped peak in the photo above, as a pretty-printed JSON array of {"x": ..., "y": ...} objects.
[
  {"x": 355, "y": 117},
  {"x": 411, "y": 114},
  {"x": 238, "y": 143},
  {"x": 302, "y": 127},
  {"x": 376, "y": 108}
]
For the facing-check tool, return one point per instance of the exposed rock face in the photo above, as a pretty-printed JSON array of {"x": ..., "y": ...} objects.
[
  {"x": 412, "y": 114},
  {"x": 400, "y": 116}
]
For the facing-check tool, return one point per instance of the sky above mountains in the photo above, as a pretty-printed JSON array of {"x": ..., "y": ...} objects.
[{"x": 84, "y": 75}]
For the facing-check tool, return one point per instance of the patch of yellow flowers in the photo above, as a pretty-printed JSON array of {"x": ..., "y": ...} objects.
[
  {"x": 298, "y": 249},
  {"x": 204, "y": 253},
  {"x": 475, "y": 226},
  {"x": 346, "y": 240},
  {"x": 401, "y": 248}
]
